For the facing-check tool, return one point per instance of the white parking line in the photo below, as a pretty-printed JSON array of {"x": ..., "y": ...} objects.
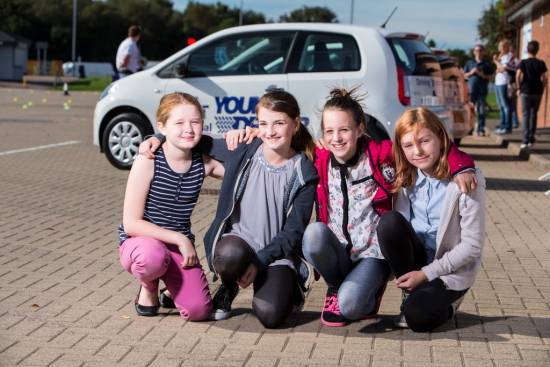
[{"x": 70, "y": 142}]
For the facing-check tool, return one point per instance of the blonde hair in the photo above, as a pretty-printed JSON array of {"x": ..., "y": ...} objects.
[
  {"x": 414, "y": 120},
  {"x": 504, "y": 43},
  {"x": 169, "y": 101}
]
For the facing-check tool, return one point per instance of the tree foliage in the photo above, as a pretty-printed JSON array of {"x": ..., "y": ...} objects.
[
  {"x": 493, "y": 27},
  {"x": 102, "y": 25},
  {"x": 319, "y": 14}
]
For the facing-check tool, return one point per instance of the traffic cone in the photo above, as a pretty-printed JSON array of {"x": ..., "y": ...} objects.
[{"x": 65, "y": 89}]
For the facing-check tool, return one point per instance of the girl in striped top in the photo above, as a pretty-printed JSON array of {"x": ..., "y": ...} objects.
[{"x": 156, "y": 241}]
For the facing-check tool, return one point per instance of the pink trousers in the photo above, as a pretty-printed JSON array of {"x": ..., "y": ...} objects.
[{"x": 149, "y": 260}]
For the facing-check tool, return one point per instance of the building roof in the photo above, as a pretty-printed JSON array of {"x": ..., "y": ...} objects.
[
  {"x": 11, "y": 38},
  {"x": 522, "y": 9}
]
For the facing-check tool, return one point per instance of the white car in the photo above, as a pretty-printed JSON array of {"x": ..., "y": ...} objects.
[{"x": 229, "y": 70}]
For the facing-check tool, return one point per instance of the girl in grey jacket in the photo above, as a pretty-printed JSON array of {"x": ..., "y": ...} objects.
[{"x": 434, "y": 236}]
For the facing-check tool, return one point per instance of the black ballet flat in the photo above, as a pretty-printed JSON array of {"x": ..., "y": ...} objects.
[
  {"x": 147, "y": 311},
  {"x": 165, "y": 300}
]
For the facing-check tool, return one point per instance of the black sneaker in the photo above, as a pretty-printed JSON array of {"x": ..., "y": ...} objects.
[
  {"x": 331, "y": 315},
  {"x": 401, "y": 322},
  {"x": 222, "y": 302}
]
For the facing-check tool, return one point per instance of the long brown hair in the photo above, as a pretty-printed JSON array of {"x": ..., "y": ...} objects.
[
  {"x": 281, "y": 101},
  {"x": 169, "y": 101},
  {"x": 414, "y": 120}
]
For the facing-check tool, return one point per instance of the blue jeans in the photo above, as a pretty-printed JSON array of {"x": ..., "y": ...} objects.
[
  {"x": 357, "y": 283},
  {"x": 478, "y": 99},
  {"x": 504, "y": 106},
  {"x": 530, "y": 105}
]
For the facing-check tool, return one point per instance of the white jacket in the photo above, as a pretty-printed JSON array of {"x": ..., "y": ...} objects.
[{"x": 460, "y": 236}]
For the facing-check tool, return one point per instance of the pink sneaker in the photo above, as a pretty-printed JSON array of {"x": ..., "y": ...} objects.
[{"x": 331, "y": 315}]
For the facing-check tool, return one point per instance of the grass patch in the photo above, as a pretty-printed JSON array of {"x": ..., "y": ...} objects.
[
  {"x": 492, "y": 106},
  {"x": 94, "y": 83}
]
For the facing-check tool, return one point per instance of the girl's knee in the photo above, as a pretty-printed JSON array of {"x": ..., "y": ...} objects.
[
  {"x": 268, "y": 314},
  {"x": 312, "y": 242},
  {"x": 196, "y": 311},
  {"x": 355, "y": 307},
  {"x": 390, "y": 220},
  {"x": 419, "y": 321},
  {"x": 144, "y": 257}
]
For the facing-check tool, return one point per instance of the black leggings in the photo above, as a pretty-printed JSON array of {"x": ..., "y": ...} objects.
[
  {"x": 276, "y": 289},
  {"x": 429, "y": 305}
]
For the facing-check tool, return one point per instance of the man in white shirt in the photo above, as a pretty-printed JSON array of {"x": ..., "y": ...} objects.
[{"x": 128, "y": 56}]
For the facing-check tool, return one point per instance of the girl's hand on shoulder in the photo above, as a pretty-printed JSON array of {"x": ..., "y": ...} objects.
[
  {"x": 234, "y": 137},
  {"x": 148, "y": 147},
  {"x": 249, "y": 276},
  {"x": 466, "y": 181},
  {"x": 411, "y": 280},
  {"x": 188, "y": 251}
]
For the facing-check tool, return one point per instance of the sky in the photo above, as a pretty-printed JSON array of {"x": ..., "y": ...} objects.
[{"x": 452, "y": 24}]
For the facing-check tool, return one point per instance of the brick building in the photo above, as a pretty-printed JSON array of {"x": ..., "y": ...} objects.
[{"x": 532, "y": 21}]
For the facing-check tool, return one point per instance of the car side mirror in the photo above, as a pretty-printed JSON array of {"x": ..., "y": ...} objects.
[{"x": 180, "y": 70}]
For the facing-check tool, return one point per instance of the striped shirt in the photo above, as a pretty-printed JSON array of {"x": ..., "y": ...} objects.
[{"x": 172, "y": 196}]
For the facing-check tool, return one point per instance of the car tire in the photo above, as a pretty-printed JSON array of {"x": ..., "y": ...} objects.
[
  {"x": 122, "y": 137},
  {"x": 375, "y": 130}
]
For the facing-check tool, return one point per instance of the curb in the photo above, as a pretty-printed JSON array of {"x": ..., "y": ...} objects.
[{"x": 536, "y": 159}]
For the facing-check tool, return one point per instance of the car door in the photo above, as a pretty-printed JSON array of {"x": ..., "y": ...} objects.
[
  {"x": 321, "y": 61},
  {"x": 230, "y": 74}
]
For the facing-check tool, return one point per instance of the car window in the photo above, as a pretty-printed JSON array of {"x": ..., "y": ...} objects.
[
  {"x": 414, "y": 57},
  {"x": 322, "y": 52},
  {"x": 243, "y": 54}
]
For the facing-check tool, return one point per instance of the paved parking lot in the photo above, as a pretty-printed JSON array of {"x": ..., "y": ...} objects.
[{"x": 65, "y": 301}]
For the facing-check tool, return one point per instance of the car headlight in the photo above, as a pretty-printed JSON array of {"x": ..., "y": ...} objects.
[{"x": 110, "y": 88}]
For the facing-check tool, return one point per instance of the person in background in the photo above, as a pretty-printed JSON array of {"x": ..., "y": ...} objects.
[
  {"x": 128, "y": 56},
  {"x": 478, "y": 72},
  {"x": 504, "y": 62},
  {"x": 512, "y": 90},
  {"x": 532, "y": 77}
]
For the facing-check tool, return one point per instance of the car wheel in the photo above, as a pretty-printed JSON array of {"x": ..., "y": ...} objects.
[
  {"x": 375, "y": 129},
  {"x": 122, "y": 137}
]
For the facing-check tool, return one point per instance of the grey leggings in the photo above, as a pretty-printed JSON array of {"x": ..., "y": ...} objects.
[{"x": 358, "y": 283}]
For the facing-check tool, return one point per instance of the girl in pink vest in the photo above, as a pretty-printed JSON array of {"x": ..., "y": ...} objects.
[{"x": 356, "y": 175}]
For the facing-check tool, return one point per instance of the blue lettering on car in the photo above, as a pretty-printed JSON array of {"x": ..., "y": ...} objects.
[{"x": 238, "y": 112}]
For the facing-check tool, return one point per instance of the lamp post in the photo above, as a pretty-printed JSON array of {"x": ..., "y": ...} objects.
[
  {"x": 73, "y": 55},
  {"x": 241, "y": 13},
  {"x": 351, "y": 12}
]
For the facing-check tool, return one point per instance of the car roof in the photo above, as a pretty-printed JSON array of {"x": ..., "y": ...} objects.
[{"x": 319, "y": 27}]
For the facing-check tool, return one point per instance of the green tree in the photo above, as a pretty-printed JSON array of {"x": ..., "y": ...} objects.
[
  {"x": 319, "y": 14},
  {"x": 493, "y": 27},
  {"x": 200, "y": 20},
  {"x": 460, "y": 54}
]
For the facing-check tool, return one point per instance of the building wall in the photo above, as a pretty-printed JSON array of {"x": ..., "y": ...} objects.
[
  {"x": 6, "y": 62},
  {"x": 540, "y": 31},
  {"x": 13, "y": 61}
]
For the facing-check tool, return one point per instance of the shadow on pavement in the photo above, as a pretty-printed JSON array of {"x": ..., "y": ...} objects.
[
  {"x": 470, "y": 326},
  {"x": 498, "y": 158},
  {"x": 510, "y": 184},
  {"x": 481, "y": 146}
]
